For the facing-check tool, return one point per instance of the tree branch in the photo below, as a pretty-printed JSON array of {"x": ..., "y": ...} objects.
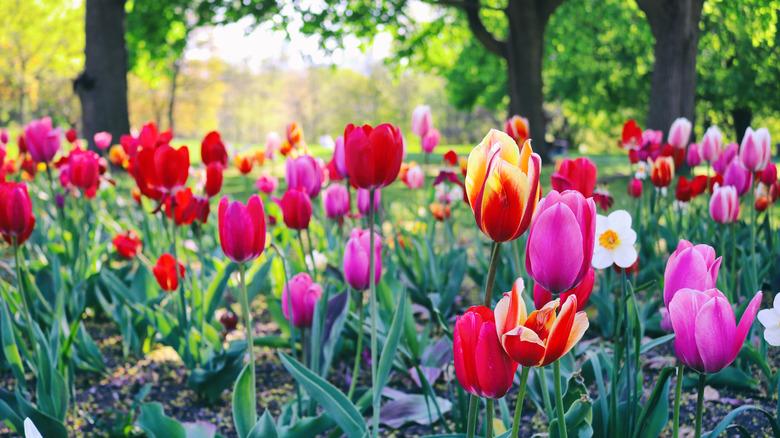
[{"x": 477, "y": 27}]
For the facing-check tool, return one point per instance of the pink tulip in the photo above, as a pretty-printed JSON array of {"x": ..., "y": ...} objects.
[
  {"x": 266, "y": 184},
  {"x": 335, "y": 200},
  {"x": 707, "y": 337},
  {"x": 102, "y": 140},
  {"x": 711, "y": 144},
  {"x": 724, "y": 205},
  {"x": 304, "y": 173},
  {"x": 431, "y": 140},
  {"x": 690, "y": 266},
  {"x": 756, "y": 149},
  {"x": 693, "y": 158},
  {"x": 273, "y": 142},
  {"x": 356, "y": 260},
  {"x": 362, "y": 200},
  {"x": 422, "y": 121},
  {"x": 725, "y": 158},
  {"x": 4, "y": 136},
  {"x": 560, "y": 240},
  {"x": 635, "y": 188},
  {"x": 339, "y": 156},
  {"x": 738, "y": 176},
  {"x": 415, "y": 177},
  {"x": 42, "y": 140},
  {"x": 242, "y": 229},
  {"x": 299, "y": 300},
  {"x": 652, "y": 136},
  {"x": 680, "y": 133}
]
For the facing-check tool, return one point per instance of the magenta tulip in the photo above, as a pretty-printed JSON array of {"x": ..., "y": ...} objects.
[
  {"x": 266, "y": 184},
  {"x": 42, "y": 140},
  {"x": 767, "y": 176},
  {"x": 738, "y": 176},
  {"x": 711, "y": 144},
  {"x": 17, "y": 219},
  {"x": 431, "y": 140},
  {"x": 707, "y": 337},
  {"x": 299, "y": 300},
  {"x": 335, "y": 200},
  {"x": 724, "y": 205},
  {"x": 242, "y": 228},
  {"x": 725, "y": 158},
  {"x": 304, "y": 173},
  {"x": 690, "y": 266},
  {"x": 560, "y": 241},
  {"x": 363, "y": 202},
  {"x": 339, "y": 156},
  {"x": 756, "y": 149},
  {"x": 680, "y": 133},
  {"x": 693, "y": 157},
  {"x": 356, "y": 261}
]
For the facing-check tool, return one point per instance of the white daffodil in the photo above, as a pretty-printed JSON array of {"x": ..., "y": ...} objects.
[
  {"x": 770, "y": 319},
  {"x": 614, "y": 241}
]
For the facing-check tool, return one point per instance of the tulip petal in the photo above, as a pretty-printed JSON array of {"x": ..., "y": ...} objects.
[
  {"x": 495, "y": 370},
  {"x": 561, "y": 329},
  {"x": 746, "y": 321},
  {"x": 524, "y": 346},
  {"x": 504, "y": 200},
  {"x": 715, "y": 332},
  {"x": 682, "y": 314},
  {"x": 555, "y": 268},
  {"x": 510, "y": 310}
]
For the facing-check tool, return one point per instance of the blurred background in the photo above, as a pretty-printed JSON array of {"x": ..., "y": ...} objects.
[{"x": 577, "y": 69}]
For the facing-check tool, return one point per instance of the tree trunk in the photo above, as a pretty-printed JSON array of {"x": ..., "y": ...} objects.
[
  {"x": 675, "y": 26},
  {"x": 172, "y": 96},
  {"x": 102, "y": 86},
  {"x": 525, "y": 47},
  {"x": 742, "y": 118}
]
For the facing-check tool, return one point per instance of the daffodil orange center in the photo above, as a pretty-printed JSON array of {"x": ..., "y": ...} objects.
[{"x": 609, "y": 239}]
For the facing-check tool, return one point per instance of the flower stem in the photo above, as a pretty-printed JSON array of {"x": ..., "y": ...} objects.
[
  {"x": 489, "y": 412},
  {"x": 559, "y": 400},
  {"x": 541, "y": 374},
  {"x": 23, "y": 293},
  {"x": 472, "y": 418},
  {"x": 358, "y": 348},
  {"x": 248, "y": 326},
  {"x": 677, "y": 397},
  {"x": 491, "y": 277},
  {"x": 700, "y": 404},
  {"x": 293, "y": 347},
  {"x": 519, "y": 402},
  {"x": 374, "y": 311},
  {"x": 303, "y": 252}
]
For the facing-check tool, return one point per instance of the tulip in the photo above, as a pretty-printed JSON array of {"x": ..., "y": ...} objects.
[
  {"x": 582, "y": 291},
  {"x": 502, "y": 185},
  {"x": 440, "y": 212},
  {"x": 662, "y": 171},
  {"x": 127, "y": 244},
  {"x": 738, "y": 176},
  {"x": 603, "y": 199},
  {"x": 693, "y": 158},
  {"x": 83, "y": 169},
  {"x": 299, "y": 300},
  {"x": 578, "y": 174},
  {"x": 680, "y": 133},
  {"x": 707, "y": 337},
  {"x": 242, "y": 229},
  {"x": 296, "y": 209},
  {"x": 4, "y": 136},
  {"x": 690, "y": 266},
  {"x": 451, "y": 157},
  {"x": 756, "y": 149},
  {"x": 635, "y": 188},
  {"x": 517, "y": 128},
  {"x": 724, "y": 205},
  {"x": 363, "y": 202},
  {"x": 165, "y": 272},
  {"x": 304, "y": 173},
  {"x": 356, "y": 253},
  {"x": 213, "y": 178},
  {"x": 422, "y": 121},
  {"x": 631, "y": 137},
  {"x": 725, "y": 158},
  {"x": 335, "y": 200},
  {"x": 541, "y": 338},
  {"x": 561, "y": 240},
  {"x": 652, "y": 136},
  {"x": 711, "y": 144},
  {"x": 182, "y": 207},
  {"x": 243, "y": 163},
  {"x": 266, "y": 184},
  {"x": 373, "y": 155},
  {"x": 163, "y": 167},
  {"x": 229, "y": 321},
  {"x": 414, "y": 177},
  {"x": 431, "y": 140},
  {"x": 212, "y": 149},
  {"x": 294, "y": 134},
  {"x": 16, "y": 216},
  {"x": 102, "y": 140},
  {"x": 768, "y": 176},
  {"x": 41, "y": 140},
  {"x": 482, "y": 367},
  {"x": 339, "y": 156}
]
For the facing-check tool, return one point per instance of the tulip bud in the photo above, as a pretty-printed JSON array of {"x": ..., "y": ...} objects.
[
  {"x": 266, "y": 184},
  {"x": 738, "y": 176},
  {"x": 431, "y": 140},
  {"x": 16, "y": 216},
  {"x": 690, "y": 266},
  {"x": 273, "y": 142},
  {"x": 517, "y": 128},
  {"x": 578, "y": 174},
  {"x": 212, "y": 149},
  {"x": 42, "y": 141},
  {"x": 680, "y": 133},
  {"x": 422, "y": 121},
  {"x": 631, "y": 137},
  {"x": 165, "y": 272},
  {"x": 299, "y": 300},
  {"x": 102, "y": 140},
  {"x": 756, "y": 149},
  {"x": 711, "y": 144},
  {"x": 229, "y": 321},
  {"x": 373, "y": 155},
  {"x": 414, "y": 177},
  {"x": 339, "y": 156},
  {"x": 356, "y": 259},
  {"x": 335, "y": 200},
  {"x": 724, "y": 205},
  {"x": 363, "y": 202},
  {"x": 768, "y": 176},
  {"x": 242, "y": 229},
  {"x": 83, "y": 169},
  {"x": 693, "y": 158},
  {"x": 213, "y": 179},
  {"x": 296, "y": 209},
  {"x": 635, "y": 188},
  {"x": 243, "y": 163},
  {"x": 662, "y": 171},
  {"x": 725, "y": 158},
  {"x": 71, "y": 135}
]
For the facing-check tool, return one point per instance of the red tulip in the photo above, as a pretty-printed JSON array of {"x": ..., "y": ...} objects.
[
  {"x": 165, "y": 272},
  {"x": 603, "y": 199},
  {"x": 373, "y": 155},
  {"x": 582, "y": 291},
  {"x": 578, "y": 174},
  {"x": 71, "y": 135},
  {"x": 16, "y": 216},
  {"x": 127, "y": 244},
  {"x": 242, "y": 228},
  {"x": 212, "y": 150},
  {"x": 182, "y": 207},
  {"x": 632, "y": 135},
  {"x": 83, "y": 169},
  {"x": 451, "y": 158},
  {"x": 213, "y": 179},
  {"x": 296, "y": 209},
  {"x": 163, "y": 168},
  {"x": 229, "y": 321},
  {"x": 243, "y": 164},
  {"x": 481, "y": 365},
  {"x": 662, "y": 171}
]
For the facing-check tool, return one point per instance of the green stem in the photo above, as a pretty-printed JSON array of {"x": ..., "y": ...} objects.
[
  {"x": 293, "y": 347},
  {"x": 25, "y": 299},
  {"x": 182, "y": 301},
  {"x": 374, "y": 316},
  {"x": 519, "y": 402},
  {"x": 489, "y": 412},
  {"x": 541, "y": 374},
  {"x": 303, "y": 252},
  {"x": 559, "y": 400},
  {"x": 472, "y": 418},
  {"x": 734, "y": 282},
  {"x": 250, "y": 343},
  {"x": 491, "y": 277},
  {"x": 700, "y": 404},
  {"x": 358, "y": 348},
  {"x": 311, "y": 254},
  {"x": 677, "y": 397}
]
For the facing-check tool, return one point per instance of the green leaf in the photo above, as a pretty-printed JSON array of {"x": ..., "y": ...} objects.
[
  {"x": 655, "y": 411},
  {"x": 244, "y": 402},
  {"x": 731, "y": 416},
  {"x": 265, "y": 428},
  {"x": 333, "y": 401},
  {"x": 156, "y": 424},
  {"x": 391, "y": 345},
  {"x": 655, "y": 343},
  {"x": 10, "y": 349}
]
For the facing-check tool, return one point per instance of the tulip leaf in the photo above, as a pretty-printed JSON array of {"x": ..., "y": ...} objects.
[
  {"x": 731, "y": 416},
  {"x": 244, "y": 403},
  {"x": 10, "y": 349},
  {"x": 391, "y": 345},
  {"x": 655, "y": 343},
  {"x": 156, "y": 424},
  {"x": 655, "y": 411},
  {"x": 265, "y": 427},
  {"x": 333, "y": 401}
]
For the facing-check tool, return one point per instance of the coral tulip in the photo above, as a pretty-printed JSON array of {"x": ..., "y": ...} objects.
[
  {"x": 16, "y": 215},
  {"x": 296, "y": 209},
  {"x": 517, "y": 128},
  {"x": 578, "y": 174},
  {"x": 363, "y": 201},
  {"x": 482, "y": 367},
  {"x": 242, "y": 229},
  {"x": 213, "y": 179},
  {"x": 304, "y": 173},
  {"x": 335, "y": 200},
  {"x": 541, "y": 338},
  {"x": 127, "y": 244},
  {"x": 561, "y": 240},
  {"x": 724, "y": 205},
  {"x": 582, "y": 291},
  {"x": 502, "y": 185},
  {"x": 373, "y": 155},
  {"x": 165, "y": 272},
  {"x": 212, "y": 149},
  {"x": 690, "y": 266},
  {"x": 299, "y": 300},
  {"x": 680, "y": 133},
  {"x": 707, "y": 337},
  {"x": 662, "y": 171},
  {"x": 711, "y": 144},
  {"x": 356, "y": 255},
  {"x": 422, "y": 121},
  {"x": 756, "y": 149},
  {"x": 42, "y": 140}
]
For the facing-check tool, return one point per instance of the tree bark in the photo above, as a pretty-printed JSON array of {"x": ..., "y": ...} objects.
[
  {"x": 102, "y": 86},
  {"x": 172, "y": 96},
  {"x": 675, "y": 26},
  {"x": 742, "y": 118}
]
